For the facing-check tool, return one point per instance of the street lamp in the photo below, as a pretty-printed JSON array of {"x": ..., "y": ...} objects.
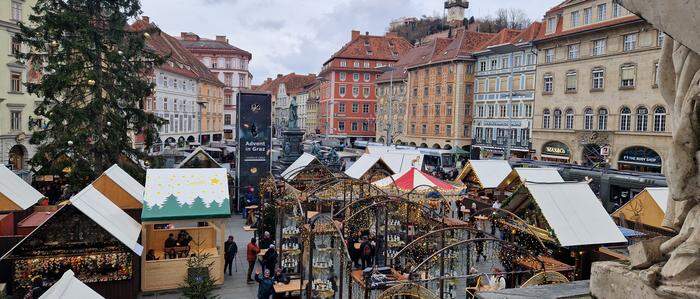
[{"x": 390, "y": 117}]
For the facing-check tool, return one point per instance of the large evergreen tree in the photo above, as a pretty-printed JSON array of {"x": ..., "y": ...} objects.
[{"x": 96, "y": 75}]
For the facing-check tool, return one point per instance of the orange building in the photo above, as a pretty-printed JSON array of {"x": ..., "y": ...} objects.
[
  {"x": 347, "y": 104},
  {"x": 440, "y": 91}
]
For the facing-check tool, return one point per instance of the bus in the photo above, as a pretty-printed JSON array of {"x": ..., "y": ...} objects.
[{"x": 432, "y": 158}]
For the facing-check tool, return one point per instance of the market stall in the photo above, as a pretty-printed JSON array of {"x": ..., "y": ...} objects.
[
  {"x": 369, "y": 168},
  {"x": 15, "y": 193},
  {"x": 482, "y": 178},
  {"x": 199, "y": 158},
  {"x": 520, "y": 175},
  {"x": 306, "y": 171},
  {"x": 89, "y": 235},
  {"x": 70, "y": 287},
  {"x": 122, "y": 189},
  {"x": 189, "y": 204},
  {"x": 414, "y": 179},
  {"x": 646, "y": 209},
  {"x": 573, "y": 217}
]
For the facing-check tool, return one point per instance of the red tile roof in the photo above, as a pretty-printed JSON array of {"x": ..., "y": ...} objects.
[
  {"x": 180, "y": 60},
  {"x": 530, "y": 33},
  {"x": 195, "y": 43},
  {"x": 542, "y": 36},
  {"x": 370, "y": 47},
  {"x": 293, "y": 83},
  {"x": 440, "y": 49},
  {"x": 505, "y": 36}
]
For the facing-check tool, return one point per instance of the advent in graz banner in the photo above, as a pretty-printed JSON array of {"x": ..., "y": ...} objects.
[{"x": 254, "y": 141}]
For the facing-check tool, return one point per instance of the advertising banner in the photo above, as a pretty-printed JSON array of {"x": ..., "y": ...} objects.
[{"x": 254, "y": 141}]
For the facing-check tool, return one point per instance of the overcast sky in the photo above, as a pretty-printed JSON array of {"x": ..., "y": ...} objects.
[{"x": 299, "y": 35}]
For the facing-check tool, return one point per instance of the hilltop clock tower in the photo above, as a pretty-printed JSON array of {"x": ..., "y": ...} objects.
[{"x": 455, "y": 10}]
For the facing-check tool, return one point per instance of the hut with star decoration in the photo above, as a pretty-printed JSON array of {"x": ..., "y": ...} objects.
[{"x": 188, "y": 202}]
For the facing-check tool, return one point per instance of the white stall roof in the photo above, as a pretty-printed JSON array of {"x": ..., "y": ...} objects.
[
  {"x": 490, "y": 172},
  {"x": 539, "y": 175},
  {"x": 575, "y": 214},
  {"x": 69, "y": 287},
  {"x": 401, "y": 161},
  {"x": 17, "y": 190},
  {"x": 362, "y": 165},
  {"x": 124, "y": 180},
  {"x": 110, "y": 217},
  {"x": 202, "y": 151},
  {"x": 291, "y": 172},
  {"x": 660, "y": 196}
]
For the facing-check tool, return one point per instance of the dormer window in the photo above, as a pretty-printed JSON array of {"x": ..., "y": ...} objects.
[
  {"x": 369, "y": 52},
  {"x": 551, "y": 24}
]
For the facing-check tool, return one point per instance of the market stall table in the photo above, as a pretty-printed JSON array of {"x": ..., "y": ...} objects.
[{"x": 294, "y": 285}]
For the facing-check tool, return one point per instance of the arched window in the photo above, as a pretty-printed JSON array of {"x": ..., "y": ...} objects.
[
  {"x": 545, "y": 119},
  {"x": 569, "y": 119},
  {"x": 642, "y": 119},
  {"x": 588, "y": 119},
  {"x": 557, "y": 119},
  {"x": 625, "y": 118},
  {"x": 659, "y": 119},
  {"x": 602, "y": 119}
]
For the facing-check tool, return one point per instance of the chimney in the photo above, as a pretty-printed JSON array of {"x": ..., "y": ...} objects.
[
  {"x": 189, "y": 36},
  {"x": 221, "y": 38},
  {"x": 279, "y": 76},
  {"x": 354, "y": 34},
  {"x": 366, "y": 33},
  {"x": 146, "y": 19}
]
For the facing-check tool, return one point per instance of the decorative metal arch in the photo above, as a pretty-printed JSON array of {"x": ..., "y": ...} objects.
[
  {"x": 440, "y": 231},
  {"x": 517, "y": 219},
  {"x": 407, "y": 289}
]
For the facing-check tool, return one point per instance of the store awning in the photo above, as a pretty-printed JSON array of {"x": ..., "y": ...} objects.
[
  {"x": 186, "y": 193},
  {"x": 575, "y": 214},
  {"x": 15, "y": 193},
  {"x": 414, "y": 178},
  {"x": 490, "y": 173},
  {"x": 110, "y": 217},
  {"x": 70, "y": 286}
]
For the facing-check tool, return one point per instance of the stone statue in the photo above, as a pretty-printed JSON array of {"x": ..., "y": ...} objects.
[
  {"x": 293, "y": 115},
  {"x": 670, "y": 268},
  {"x": 316, "y": 150}
]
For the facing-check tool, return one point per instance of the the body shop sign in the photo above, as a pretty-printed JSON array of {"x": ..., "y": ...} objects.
[{"x": 254, "y": 140}]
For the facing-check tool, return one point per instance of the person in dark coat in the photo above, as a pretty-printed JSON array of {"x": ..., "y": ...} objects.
[
  {"x": 170, "y": 242},
  {"x": 266, "y": 240},
  {"x": 270, "y": 258},
  {"x": 230, "y": 251},
  {"x": 265, "y": 284},
  {"x": 367, "y": 253}
]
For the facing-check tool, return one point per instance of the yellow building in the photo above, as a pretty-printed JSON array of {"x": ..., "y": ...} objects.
[
  {"x": 211, "y": 100},
  {"x": 16, "y": 105}
]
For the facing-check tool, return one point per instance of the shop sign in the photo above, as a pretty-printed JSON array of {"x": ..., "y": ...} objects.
[
  {"x": 501, "y": 123},
  {"x": 556, "y": 148},
  {"x": 641, "y": 155},
  {"x": 254, "y": 139}
]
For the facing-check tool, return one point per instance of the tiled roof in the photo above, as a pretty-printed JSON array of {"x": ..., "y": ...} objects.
[
  {"x": 440, "y": 49},
  {"x": 560, "y": 32},
  {"x": 203, "y": 44},
  {"x": 505, "y": 36},
  {"x": 181, "y": 61},
  {"x": 417, "y": 55},
  {"x": 293, "y": 83},
  {"x": 529, "y": 34},
  {"x": 371, "y": 47}
]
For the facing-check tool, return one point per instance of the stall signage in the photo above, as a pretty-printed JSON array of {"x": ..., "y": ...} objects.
[
  {"x": 254, "y": 140},
  {"x": 556, "y": 148}
]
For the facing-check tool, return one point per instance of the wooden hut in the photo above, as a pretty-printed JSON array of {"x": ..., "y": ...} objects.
[
  {"x": 178, "y": 201},
  {"x": 482, "y": 178},
  {"x": 305, "y": 171},
  {"x": 122, "y": 189},
  {"x": 646, "y": 210},
  {"x": 15, "y": 193},
  {"x": 369, "y": 168},
  {"x": 569, "y": 217},
  {"x": 518, "y": 176},
  {"x": 199, "y": 158},
  {"x": 89, "y": 235}
]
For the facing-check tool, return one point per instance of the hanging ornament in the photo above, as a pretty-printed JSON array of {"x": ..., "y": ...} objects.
[
  {"x": 91, "y": 82},
  {"x": 64, "y": 122},
  {"x": 54, "y": 44},
  {"x": 120, "y": 52},
  {"x": 146, "y": 35},
  {"x": 109, "y": 123},
  {"x": 70, "y": 143}
]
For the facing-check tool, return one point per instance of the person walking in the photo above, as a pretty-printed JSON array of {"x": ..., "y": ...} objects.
[
  {"x": 252, "y": 251},
  {"x": 230, "y": 251},
  {"x": 265, "y": 284}
]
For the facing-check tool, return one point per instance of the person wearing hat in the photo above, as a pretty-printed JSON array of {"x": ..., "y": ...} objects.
[{"x": 265, "y": 284}]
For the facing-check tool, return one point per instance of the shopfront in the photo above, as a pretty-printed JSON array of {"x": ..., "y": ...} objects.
[
  {"x": 639, "y": 159},
  {"x": 555, "y": 151}
]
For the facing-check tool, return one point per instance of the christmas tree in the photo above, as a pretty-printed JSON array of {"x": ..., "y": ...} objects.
[{"x": 96, "y": 75}]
